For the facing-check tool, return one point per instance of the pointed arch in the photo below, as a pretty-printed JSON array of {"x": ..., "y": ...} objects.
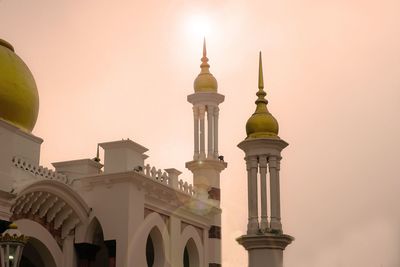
[
  {"x": 191, "y": 241},
  {"x": 155, "y": 227}
]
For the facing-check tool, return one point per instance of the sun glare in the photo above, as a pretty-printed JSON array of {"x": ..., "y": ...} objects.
[{"x": 198, "y": 26}]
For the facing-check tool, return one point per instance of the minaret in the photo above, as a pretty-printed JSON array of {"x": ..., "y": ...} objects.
[
  {"x": 264, "y": 240},
  {"x": 207, "y": 164}
]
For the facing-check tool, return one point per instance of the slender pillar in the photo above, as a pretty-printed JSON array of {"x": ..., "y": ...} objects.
[
  {"x": 263, "y": 185},
  {"x": 196, "y": 132},
  {"x": 251, "y": 162},
  {"x": 216, "y": 114},
  {"x": 202, "y": 132},
  {"x": 210, "y": 111},
  {"x": 275, "y": 202}
]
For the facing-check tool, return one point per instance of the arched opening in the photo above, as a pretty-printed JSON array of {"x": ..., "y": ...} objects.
[
  {"x": 101, "y": 259},
  {"x": 99, "y": 254},
  {"x": 155, "y": 254},
  {"x": 191, "y": 254},
  {"x": 149, "y": 252},
  {"x": 35, "y": 254}
]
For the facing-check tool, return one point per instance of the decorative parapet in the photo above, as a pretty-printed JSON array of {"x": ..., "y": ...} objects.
[
  {"x": 167, "y": 177},
  {"x": 40, "y": 171}
]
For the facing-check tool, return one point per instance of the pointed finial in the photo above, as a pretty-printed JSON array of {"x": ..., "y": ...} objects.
[
  {"x": 204, "y": 65},
  {"x": 261, "y": 93},
  {"x": 204, "y": 47},
  {"x": 261, "y": 124},
  {"x": 260, "y": 74},
  {"x": 205, "y": 81}
]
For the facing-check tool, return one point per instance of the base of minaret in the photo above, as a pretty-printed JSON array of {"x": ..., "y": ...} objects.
[{"x": 265, "y": 250}]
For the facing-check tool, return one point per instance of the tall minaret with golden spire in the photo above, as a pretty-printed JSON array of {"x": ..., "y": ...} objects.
[
  {"x": 264, "y": 240},
  {"x": 207, "y": 164}
]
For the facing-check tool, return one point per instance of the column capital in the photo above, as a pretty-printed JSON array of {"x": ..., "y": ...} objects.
[
  {"x": 263, "y": 161},
  {"x": 251, "y": 162},
  {"x": 216, "y": 111},
  {"x": 195, "y": 111},
  {"x": 273, "y": 161},
  {"x": 201, "y": 108}
]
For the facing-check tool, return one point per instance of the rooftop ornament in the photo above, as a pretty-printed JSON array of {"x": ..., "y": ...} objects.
[{"x": 12, "y": 242}]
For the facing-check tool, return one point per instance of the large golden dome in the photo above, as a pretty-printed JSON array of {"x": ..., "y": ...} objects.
[
  {"x": 205, "y": 81},
  {"x": 19, "y": 99},
  {"x": 261, "y": 124}
]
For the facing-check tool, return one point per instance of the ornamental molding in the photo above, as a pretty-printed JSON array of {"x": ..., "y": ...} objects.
[
  {"x": 52, "y": 204},
  {"x": 265, "y": 241}
]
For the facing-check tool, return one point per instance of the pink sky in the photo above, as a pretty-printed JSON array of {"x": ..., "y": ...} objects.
[{"x": 108, "y": 70}]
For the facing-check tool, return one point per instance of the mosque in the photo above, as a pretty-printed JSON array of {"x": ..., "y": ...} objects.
[{"x": 122, "y": 212}]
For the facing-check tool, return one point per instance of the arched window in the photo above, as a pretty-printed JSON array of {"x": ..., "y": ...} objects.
[
  {"x": 149, "y": 252},
  {"x": 191, "y": 255},
  {"x": 186, "y": 258},
  {"x": 155, "y": 255}
]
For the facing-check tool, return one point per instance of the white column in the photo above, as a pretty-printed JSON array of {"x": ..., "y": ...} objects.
[
  {"x": 175, "y": 228},
  {"x": 263, "y": 185},
  {"x": 275, "y": 201},
  {"x": 196, "y": 132},
  {"x": 202, "y": 132},
  {"x": 69, "y": 256},
  {"x": 251, "y": 163},
  {"x": 216, "y": 114},
  {"x": 210, "y": 114}
]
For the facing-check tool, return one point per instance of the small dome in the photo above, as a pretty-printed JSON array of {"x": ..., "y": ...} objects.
[
  {"x": 19, "y": 99},
  {"x": 205, "y": 81},
  {"x": 261, "y": 124}
]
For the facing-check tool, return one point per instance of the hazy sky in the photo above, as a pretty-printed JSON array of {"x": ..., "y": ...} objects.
[{"x": 108, "y": 70}]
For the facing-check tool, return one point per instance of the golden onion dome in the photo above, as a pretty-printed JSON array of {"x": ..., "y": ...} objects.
[
  {"x": 205, "y": 81},
  {"x": 19, "y": 99},
  {"x": 261, "y": 124}
]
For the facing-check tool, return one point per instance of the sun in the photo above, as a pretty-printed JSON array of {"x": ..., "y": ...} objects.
[{"x": 199, "y": 26}]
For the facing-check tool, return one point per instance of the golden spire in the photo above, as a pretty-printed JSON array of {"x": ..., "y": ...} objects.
[
  {"x": 205, "y": 81},
  {"x": 261, "y": 124},
  {"x": 260, "y": 73}
]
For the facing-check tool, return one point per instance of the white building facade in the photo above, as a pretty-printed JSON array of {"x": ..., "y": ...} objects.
[{"x": 119, "y": 211}]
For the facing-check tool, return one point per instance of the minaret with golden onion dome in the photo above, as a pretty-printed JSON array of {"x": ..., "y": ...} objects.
[
  {"x": 264, "y": 239},
  {"x": 207, "y": 163}
]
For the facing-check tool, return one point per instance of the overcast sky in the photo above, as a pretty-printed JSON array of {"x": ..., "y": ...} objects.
[{"x": 108, "y": 70}]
